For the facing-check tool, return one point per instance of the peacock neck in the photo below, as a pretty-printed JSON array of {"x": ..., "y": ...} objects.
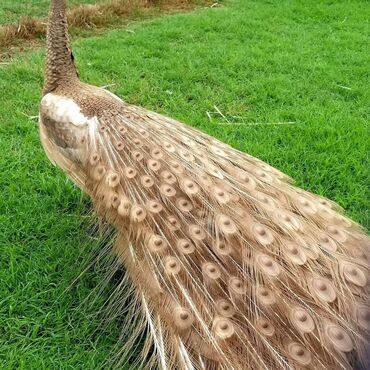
[{"x": 60, "y": 68}]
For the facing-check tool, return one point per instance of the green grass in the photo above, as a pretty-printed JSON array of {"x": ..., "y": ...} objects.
[
  {"x": 263, "y": 60},
  {"x": 13, "y": 10}
]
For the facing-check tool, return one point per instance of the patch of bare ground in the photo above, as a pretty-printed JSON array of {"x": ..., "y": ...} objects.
[{"x": 29, "y": 30}]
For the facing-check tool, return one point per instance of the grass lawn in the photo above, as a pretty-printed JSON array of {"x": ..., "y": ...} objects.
[
  {"x": 265, "y": 61},
  {"x": 13, "y": 10}
]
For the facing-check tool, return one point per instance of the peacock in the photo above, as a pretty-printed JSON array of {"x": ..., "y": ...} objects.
[{"x": 228, "y": 264}]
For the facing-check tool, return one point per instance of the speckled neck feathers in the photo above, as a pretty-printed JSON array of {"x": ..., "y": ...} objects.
[{"x": 60, "y": 68}]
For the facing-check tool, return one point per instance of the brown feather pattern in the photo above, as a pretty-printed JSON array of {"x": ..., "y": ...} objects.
[
  {"x": 241, "y": 269},
  {"x": 230, "y": 265}
]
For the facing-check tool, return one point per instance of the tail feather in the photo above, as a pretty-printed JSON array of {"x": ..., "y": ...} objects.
[{"x": 236, "y": 268}]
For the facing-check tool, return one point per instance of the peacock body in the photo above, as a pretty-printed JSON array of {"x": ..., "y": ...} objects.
[{"x": 233, "y": 267}]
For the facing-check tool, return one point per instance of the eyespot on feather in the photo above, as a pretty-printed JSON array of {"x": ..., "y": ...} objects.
[
  {"x": 112, "y": 179},
  {"x": 336, "y": 233},
  {"x": 295, "y": 253},
  {"x": 114, "y": 200},
  {"x": 265, "y": 296},
  {"x": 302, "y": 320},
  {"x": 185, "y": 246},
  {"x": 266, "y": 201},
  {"x": 200, "y": 155},
  {"x": 237, "y": 286},
  {"x": 172, "y": 265},
  {"x": 156, "y": 153},
  {"x": 225, "y": 308},
  {"x": 188, "y": 141},
  {"x": 138, "y": 213},
  {"x": 119, "y": 145},
  {"x": 169, "y": 147},
  {"x": 287, "y": 220},
  {"x": 339, "y": 337},
  {"x": 176, "y": 167},
  {"x": 137, "y": 142},
  {"x": 205, "y": 180},
  {"x": 186, "y": 155},
  {"x": 122, "y": 130},
  {"x": 146, "y": 181},
  {"x": 173, "y": 223},
  {"x": 262, "y": 234},
  {"x": 99, "y": 172},
  {"x": 327, "y": 243},
  {"x": 168, "y": 177},
  {"x": 247, "y": 180},
  {"x": 211, "y": 270},
  {"x": 129, "y": 172},
  {"x": 223, "y": 327},
  {"x": 94, "y": 159},
  {"x": 363, "y": 316},
  {"x": 189, "y": 186},
  {"x": 137, "y": 155},
  {"x": 196, "y": 232},
  {"x": 265, "y": 327},
  {"x": 156, "y": 243},
  {"x": 184, "y": 204},
  {"x": 221, "y": 248},
  {"x": 103, "y": 128},
  {"x": 221, "y": 195},
  {"x": 306, "y": 206},
  {"x": 154, "y": 206},
  {"x": 124, "y": 207},
  {"x": 183, "y": 318},
  {"x": 154, "y": 164},
  {"x": 264, "y": 176},
  {"x": 309, "y": 247},
  {"x": 167, "y": 190},
  {"x": 226, "y": 225},
  {"x": 323, "y": 289},
  {"x": 268, "y": 265},
  {"x": 299, "y": 353},
  {"x": 353, "y": 274}
]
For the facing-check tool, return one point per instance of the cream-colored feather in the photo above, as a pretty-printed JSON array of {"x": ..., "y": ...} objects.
[{"x": 233, "y": 266}]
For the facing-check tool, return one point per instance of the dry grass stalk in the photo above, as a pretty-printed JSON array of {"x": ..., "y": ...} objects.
[{"x": 85, "y": 16}]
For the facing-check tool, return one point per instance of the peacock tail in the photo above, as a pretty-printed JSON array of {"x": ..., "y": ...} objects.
[{"x": 234, "y": 266}]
